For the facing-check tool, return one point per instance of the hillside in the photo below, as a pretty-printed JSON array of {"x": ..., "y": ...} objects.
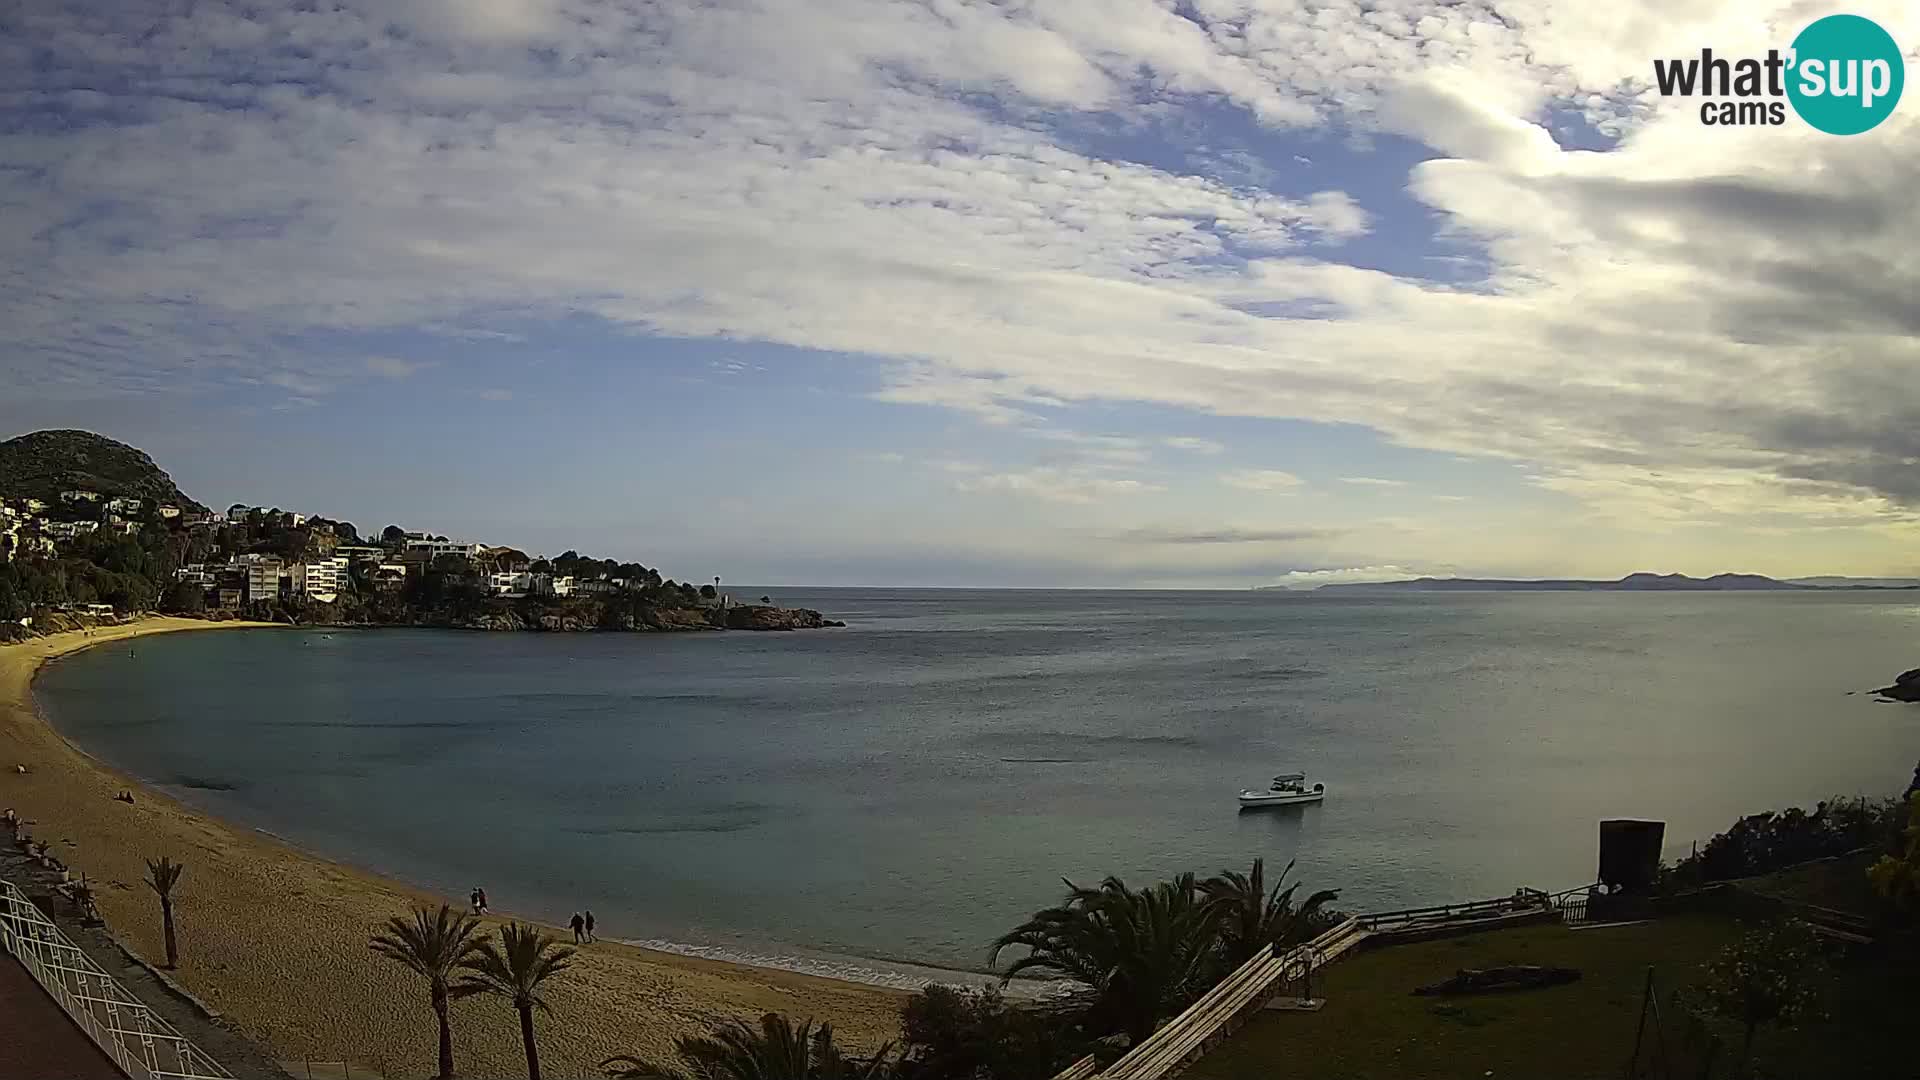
[{"x": 42, "y": 464}]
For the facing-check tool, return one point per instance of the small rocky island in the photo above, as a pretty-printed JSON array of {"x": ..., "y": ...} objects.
[
  {"x": 1906, "y": 687},
  {"x": 90, "y": 527}
]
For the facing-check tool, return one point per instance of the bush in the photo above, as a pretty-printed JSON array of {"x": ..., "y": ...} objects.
[
  {"x": 951, "y": 1033},
  {"x": 1775, "y": 840}
]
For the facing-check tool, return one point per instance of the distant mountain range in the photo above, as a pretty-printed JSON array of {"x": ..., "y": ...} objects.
[{"x": 1642, "y": 582}]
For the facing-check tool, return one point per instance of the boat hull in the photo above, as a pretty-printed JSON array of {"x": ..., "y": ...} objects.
[{"x": 1263, "y": 798}]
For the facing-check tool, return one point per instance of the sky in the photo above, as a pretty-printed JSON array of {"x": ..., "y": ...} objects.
[{"x": 1208, "y": 293}]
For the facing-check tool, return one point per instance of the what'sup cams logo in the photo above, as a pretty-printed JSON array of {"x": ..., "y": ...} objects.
[{"x": 1843, "y": 75}]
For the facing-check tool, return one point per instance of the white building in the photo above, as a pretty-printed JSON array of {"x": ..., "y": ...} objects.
[
  {"x": 263, "y": 574},
  {"x": 169, "y": 512},
  {"x": 124, "y": 504},
  {"x": 509, "y": 584},
  {"x": 319, "y": 579},
  {"x": 79, "y": 495},
  {"x": 428, "y": 550},
  {"x": 68, "y": 530},
  {"x": 34, "y": 506}
]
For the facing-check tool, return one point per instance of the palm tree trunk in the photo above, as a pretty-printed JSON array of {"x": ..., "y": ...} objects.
[
  {"x": 526, "y": 1036},
  {"x": 446, "y": 1033},
  {"x": 166, "y": 925}
]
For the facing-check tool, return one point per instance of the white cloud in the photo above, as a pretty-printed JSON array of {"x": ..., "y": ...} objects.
[
  {"x": 1690, "y": 326},
  {"x": 1372, "y": 481},
  {"x": 1056, "y": 485},
  {"x": 1260, "y": 479},
  {"x": 1194, "y": 444},
  {"x": 1313, "y": 579},
  {"x": 393, "y": 367}
]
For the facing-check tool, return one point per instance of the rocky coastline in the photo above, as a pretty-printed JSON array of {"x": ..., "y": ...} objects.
[{"x": 1906, "y": 687}]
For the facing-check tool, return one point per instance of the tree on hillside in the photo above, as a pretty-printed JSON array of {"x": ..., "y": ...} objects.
[
  {"x": 432, "y": 945},
  {"x": 1896, "y": 877},
  {"x": 515, "y": 971},
  {"x": 1147, "y": 954},
  {"x": 162, "y": 876},
  {"x": 393, "y": 536},
  {"x": 184, "y": 598},
  {"x": 775, "y": 1051}
]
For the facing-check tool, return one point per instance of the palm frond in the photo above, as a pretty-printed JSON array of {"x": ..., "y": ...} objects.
[
  {"x": 163, "y": 874},
  {"x": 514, "y": 969}
]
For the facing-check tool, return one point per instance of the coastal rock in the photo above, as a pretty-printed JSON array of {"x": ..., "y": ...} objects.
[
  {"x": 1906, "y": 687},
  {"x": 763, "y": 617}
]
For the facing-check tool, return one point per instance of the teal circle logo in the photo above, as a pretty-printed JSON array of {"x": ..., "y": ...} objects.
[{"x": 1846, "y": 74}]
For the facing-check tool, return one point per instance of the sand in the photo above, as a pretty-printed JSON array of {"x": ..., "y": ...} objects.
[{"x": 276, "y": 938}]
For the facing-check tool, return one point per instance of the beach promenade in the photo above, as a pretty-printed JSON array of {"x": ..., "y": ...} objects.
[
  {"x": 275, "y": 939},
  {"x": 40, "y": 1040}
]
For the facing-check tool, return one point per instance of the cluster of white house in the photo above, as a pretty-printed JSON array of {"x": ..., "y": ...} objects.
[
  {"x": 244, "y": 579},
  {"x": 26, "y": 528}
]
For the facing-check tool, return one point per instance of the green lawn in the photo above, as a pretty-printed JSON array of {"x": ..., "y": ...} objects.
[
  {"x": 1373, "y": 1027},
  {"x": 1840, "y": 883}
]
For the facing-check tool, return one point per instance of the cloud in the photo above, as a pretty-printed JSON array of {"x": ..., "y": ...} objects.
[
  {"x": 393, "y": 367},
  {"x": 1193, "y": 444},
  {"x": 1260, "y": 479},
  {"x": 1685, "y": 326},
  {"x": 1313, "y": 579},
  {"x": 1372, "y": 481},
  {"x": 1053, "y": 484},
  {"x": 1220, "y": 536}
]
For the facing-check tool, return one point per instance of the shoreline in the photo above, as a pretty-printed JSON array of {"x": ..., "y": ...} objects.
[{"x": 298, "y": 977}]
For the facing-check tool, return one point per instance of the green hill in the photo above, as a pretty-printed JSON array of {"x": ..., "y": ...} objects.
[{"x": 42, "y": 464}]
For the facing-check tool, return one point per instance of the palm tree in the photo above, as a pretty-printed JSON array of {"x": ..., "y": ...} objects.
[
  {"x": 1146, "y": 954},
  {"x": 515, "y": 972},
  {"x": 777, "y": 1051},
  {"x": 162, "y": 876},
  {"x": 1252, "y": 918},
  {"x": 433, "y": 945}
]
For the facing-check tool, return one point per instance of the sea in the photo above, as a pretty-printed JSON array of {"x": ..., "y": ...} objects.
[{"x": 889, "y": 797}]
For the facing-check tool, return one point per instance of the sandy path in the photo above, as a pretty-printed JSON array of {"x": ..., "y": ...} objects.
[{"x": 277, "y": 939}]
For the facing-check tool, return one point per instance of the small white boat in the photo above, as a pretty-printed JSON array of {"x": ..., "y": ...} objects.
[{"x": 1288, "y": 789}]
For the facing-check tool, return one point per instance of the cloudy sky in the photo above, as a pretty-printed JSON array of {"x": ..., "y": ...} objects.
[{"x": 1083, "y": 292}]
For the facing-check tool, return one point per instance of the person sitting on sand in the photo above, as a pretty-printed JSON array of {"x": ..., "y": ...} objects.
[
  {"x": 579, "y": 928},
  {"x": 125, "y": 797},
  {"x": 589, "y": 924}
]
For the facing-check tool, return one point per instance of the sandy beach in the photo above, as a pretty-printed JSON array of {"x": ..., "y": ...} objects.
[{"x": 276, "y": 939}]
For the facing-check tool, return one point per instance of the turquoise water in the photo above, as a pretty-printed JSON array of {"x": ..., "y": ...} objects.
[{"x": 916, "y": 783}]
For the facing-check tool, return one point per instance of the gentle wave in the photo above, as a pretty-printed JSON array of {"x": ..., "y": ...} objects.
[{"x": 866, "y": 972}]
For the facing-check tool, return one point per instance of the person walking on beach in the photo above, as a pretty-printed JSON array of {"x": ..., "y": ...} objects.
[
  {"x": 579, "y": 929},
  {"x": 481, "y": 895},
  {"x": 589, "y": 924}
]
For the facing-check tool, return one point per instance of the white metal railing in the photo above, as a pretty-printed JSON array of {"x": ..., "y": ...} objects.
[{"x": 138, "y": 1040}]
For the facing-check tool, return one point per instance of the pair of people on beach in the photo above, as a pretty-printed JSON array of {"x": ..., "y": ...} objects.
[
  {"x": 582, "y": 928},
  {"x": 478, "y": 898}
]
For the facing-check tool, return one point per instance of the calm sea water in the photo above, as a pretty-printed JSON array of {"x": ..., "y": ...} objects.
[{"x": 913, "y": 785}]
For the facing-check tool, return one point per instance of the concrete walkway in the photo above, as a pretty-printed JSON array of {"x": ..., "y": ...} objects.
[{"x": 40, "y": 1042}]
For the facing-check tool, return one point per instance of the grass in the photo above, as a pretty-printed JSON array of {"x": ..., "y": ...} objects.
[
  {"x": 1839, "y": 883},
  {"x": 1373, "y": 1028}
]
